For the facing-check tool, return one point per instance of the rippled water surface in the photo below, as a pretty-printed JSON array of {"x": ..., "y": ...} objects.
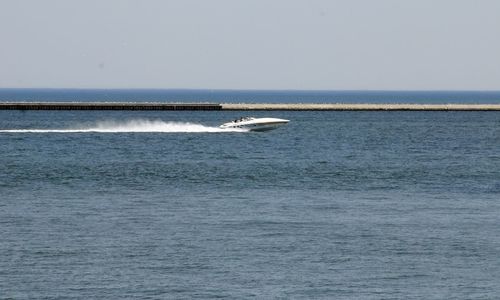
[
  {"x": 247, "y": 96},
  {"x": 334, "y": 205}
]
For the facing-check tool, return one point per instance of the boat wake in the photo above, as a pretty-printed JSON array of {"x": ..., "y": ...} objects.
[{"x": 130, "y": 126}]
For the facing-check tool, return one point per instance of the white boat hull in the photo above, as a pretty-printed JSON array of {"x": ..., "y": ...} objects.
[{"x": 255, "y": 124}]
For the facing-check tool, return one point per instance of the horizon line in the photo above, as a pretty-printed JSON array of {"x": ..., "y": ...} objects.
[{"x": 243, "y": 90}]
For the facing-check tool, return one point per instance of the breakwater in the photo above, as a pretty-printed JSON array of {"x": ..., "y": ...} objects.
[
  {"x": 106, "y": 106},
  {"x": 244, "y": 106},
  {"x": 361, "y": 107}
]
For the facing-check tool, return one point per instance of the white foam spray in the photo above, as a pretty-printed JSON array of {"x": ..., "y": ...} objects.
[{"x": 130, "y": 126}]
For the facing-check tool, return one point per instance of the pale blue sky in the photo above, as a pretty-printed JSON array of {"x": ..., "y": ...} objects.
[{"x": 251, "y": 44}]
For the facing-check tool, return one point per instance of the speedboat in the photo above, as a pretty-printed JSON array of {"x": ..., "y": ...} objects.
[{"x": 254, "y": 124}]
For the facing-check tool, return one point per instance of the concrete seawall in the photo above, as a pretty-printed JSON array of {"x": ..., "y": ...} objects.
[
  {"x": 361, "y": 107},
  {"x": 106, "y": 106},
  {"x": 244, "y": 106}
]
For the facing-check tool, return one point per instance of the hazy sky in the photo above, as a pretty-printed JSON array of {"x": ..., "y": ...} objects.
[{"x": 251, "y": 44}]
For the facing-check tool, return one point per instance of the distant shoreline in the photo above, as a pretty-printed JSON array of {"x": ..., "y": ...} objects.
[{"x": 246, "y": 106}]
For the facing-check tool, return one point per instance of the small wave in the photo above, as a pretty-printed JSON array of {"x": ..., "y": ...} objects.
[{"x": 130, "y": 126}]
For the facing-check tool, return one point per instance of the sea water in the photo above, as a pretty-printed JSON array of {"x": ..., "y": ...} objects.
[
  {"x": 333, "y": 205},
  {"x": 248, "y": 96}
]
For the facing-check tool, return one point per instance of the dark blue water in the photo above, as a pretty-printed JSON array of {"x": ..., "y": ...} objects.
[
  {"x": 245, "y": 96},
  {"x": 335, "y": 205}
]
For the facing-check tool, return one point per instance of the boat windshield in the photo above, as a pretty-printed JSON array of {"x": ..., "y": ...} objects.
[{"x": 242, "y": 119}]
